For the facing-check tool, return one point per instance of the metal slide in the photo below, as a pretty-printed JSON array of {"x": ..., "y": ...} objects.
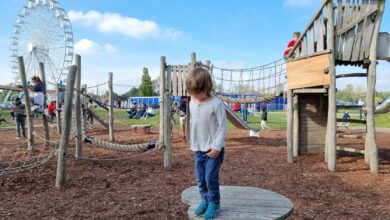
[
  {"x": 235, "y": 120},
  {"x": 384, "y": 107}
]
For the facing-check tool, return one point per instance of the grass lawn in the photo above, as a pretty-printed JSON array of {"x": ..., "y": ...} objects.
[{"x": 275, "y": 119}]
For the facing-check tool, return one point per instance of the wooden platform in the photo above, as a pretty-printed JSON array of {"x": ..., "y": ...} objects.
[{"x": 243, "y": 203}]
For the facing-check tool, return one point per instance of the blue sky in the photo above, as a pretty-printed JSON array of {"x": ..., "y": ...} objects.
[{"x": 124, "y": 36}]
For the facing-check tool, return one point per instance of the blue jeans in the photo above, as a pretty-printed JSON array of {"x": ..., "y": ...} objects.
[{"x": 207, "y": 175}]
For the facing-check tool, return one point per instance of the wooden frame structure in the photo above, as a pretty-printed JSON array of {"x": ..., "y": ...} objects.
[{"x": 346, "y": 32}]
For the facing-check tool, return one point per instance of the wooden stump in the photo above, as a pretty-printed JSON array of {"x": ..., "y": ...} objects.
[{"x": 243, "y": 203}]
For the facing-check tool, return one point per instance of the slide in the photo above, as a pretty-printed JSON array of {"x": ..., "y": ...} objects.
[
  {"x": 235, "y": 120},
  {"x": 384, "y": 107}
]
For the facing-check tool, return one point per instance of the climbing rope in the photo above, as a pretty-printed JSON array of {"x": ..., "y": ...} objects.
[{"x": 143, "y": 147}]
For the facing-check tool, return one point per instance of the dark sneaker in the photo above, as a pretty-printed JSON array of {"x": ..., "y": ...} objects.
[
  {"x": 212, "y": 211},
  {"x": 201, "y": 208}
]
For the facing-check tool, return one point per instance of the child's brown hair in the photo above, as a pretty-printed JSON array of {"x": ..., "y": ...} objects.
[
  {"x": 198, "y": 81},
  {"x": 298, "y": 34}
]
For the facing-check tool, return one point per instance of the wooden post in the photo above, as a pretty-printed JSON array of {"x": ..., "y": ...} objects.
[
  {"x": 168, "y": 122},
  {"x": 22, "y": 72},
  {"x": 63, "y": 149},
  {"x": 290, "y": 122},
  {"x": 77, "y": 108},
  {"x": 58, "y": 108},
  {"x": 44, "y": 116},
  {"x": 296, "y": 125},
  {"x": 188, "y": 114},
  {"x": 331, "y": 125},
  {"x": 85, "y": 106},
  {"x": 371, "y": 134},
  {"x": 110, "y": 108},
  {"x": 162, "y": 101},
  {"x": 167, "y": 132}
]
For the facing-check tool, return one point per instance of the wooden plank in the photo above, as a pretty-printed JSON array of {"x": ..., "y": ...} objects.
[
  {"x": 351, "y": 136},
  {"x": 320, "y": 35},
  {"x": 180, "y": 91},
  {"x": 352, "y": 24},
  {"x": 300, "y": 91},
  {"x": 349, "y": 40},
  {"x": 290, "y": 150},
  {"x": 310, "y": 41},
  {"x": 366, "y": 40},
  {"x": 303, "y": 47},
  {"x": 349, "y": 149},
  {"x": 351, "y": 120},
  {"x": 340, "y": 10},
  {"x": 308, "y": 72},
  {"x": 345, "y": 75},
  {"x": 174, "y": 82}
]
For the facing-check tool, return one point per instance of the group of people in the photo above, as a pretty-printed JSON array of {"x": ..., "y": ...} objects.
[
  {"x": 142, "y": 111},
  {"x": 244, "y": 110}
]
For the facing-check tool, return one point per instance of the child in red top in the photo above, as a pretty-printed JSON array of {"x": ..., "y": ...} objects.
[
  {"x": 50, "y": 109},
  {"x": 291, "y": 44},
  {"x": 236, "y": 107}
]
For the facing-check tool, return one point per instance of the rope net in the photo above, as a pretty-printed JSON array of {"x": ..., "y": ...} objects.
[
  {"x": 142, "y": 147},
  {"x": 250, "y": 85}
]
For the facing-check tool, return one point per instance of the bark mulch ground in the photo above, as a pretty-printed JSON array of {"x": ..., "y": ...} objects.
[{"x": 138, "y": 187}]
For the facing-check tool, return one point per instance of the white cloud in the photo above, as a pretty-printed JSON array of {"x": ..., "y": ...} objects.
[
  {"x": 129, "y": 26},
  {"x": 110, "y": 49},
  {"x": 299, "y": 3},
  {"x": 86, "y": 46}
]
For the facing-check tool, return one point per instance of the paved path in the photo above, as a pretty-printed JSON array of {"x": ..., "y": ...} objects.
[{"x": 247, "y": 203}]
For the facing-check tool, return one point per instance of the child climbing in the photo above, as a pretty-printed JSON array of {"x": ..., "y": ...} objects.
[
  {"x": 37, "y": 94},
  {"x": 208, "y": 132},
  {"x": 291, "y": 44},
  {"x": 19, "y": 112}
]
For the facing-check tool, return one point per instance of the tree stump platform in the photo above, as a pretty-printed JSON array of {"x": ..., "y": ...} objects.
[{"x": 240, "y": 202}]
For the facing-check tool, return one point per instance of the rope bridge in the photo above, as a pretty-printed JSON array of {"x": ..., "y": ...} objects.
[{"x": 249, "y": 85}]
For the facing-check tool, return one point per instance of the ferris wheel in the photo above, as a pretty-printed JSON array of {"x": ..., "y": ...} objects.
[{"x": 42, "y": 33}]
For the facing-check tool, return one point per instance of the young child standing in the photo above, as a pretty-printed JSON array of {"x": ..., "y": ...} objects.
[
  {"x": 291, "y": 44},
  {"x": 19, "y": 112},
  {"x": 208, "y": 132}
]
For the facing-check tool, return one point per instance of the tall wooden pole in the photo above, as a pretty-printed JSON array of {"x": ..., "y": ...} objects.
[
  {"x": 168, "y": 123},
  {"x": 77, "y": 109},
  {"x": 30, "y": 137},
  {"x": 162, "y": 101},
  {"x": 44, "y": 117},
  {"x": 188, "y": 112},
  {"x": 331, "y": 125},
  {"x": 290, "y": 122},
  {"x": 371, "y": 134},
  {"x": 85, "y": 106},
  {"x": 110, "y": 108},
  {"x": 58, "y": 108},
  {"x": 295, "y": 126},
  {"x": 63, "y": 149}
]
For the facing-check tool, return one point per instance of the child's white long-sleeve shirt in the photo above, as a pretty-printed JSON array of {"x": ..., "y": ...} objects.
[{"x": 208, "y": 124}]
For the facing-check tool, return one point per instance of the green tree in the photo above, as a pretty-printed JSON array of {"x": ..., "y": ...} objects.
[
  {"x": 146, "y": 88},
  {"x": 132, "y": 93}
]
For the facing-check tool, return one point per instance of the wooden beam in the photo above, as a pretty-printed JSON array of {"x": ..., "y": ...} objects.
[
  {"x": 163, "y": 71},
  {"x": 304, "y": 91},
  {"x": 110, "y": 108},
  {"x": 296, "y": 126},
  {"x": 44, "y": 116},
  {"x": 346, "y": 75},
  {"x": 355, "y": 22},
  {"x": 351, "y": 136},
  {"x": 349, "y": 149},
  {"x": 358, "y": 121},
  {"x": 11, "y": 88}
]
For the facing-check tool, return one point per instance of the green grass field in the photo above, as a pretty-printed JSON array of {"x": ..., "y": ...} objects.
[{"x": 275, "y": 119}]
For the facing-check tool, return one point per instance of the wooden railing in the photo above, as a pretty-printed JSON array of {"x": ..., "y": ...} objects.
[{"x": 354, "y": 24}]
